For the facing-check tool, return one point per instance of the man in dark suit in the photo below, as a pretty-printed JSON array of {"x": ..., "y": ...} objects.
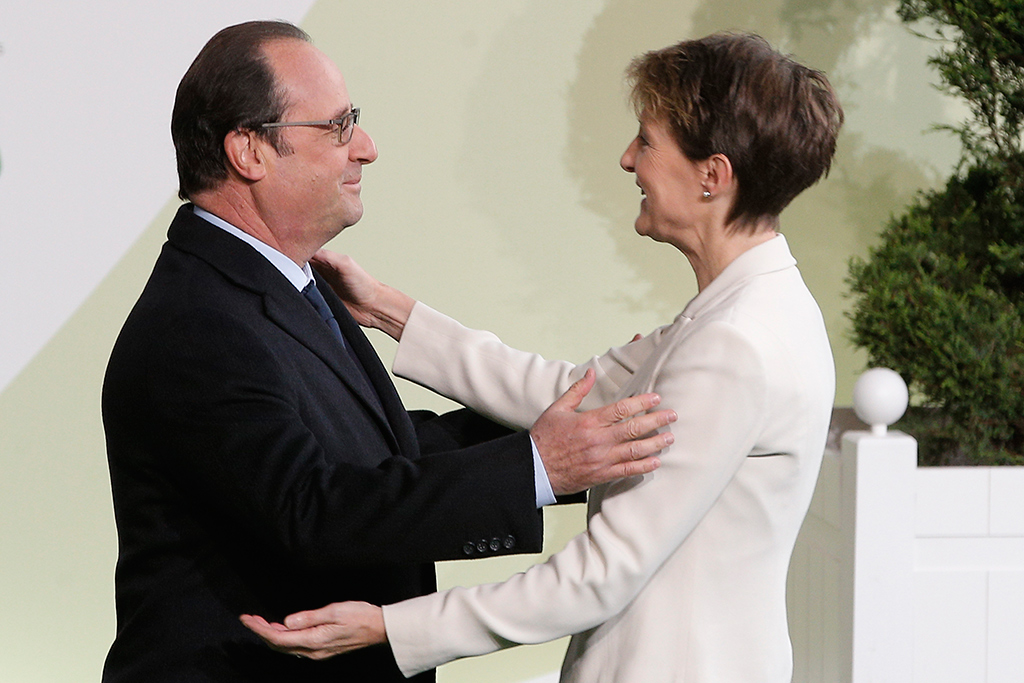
[{"x": 260, "y": 459}]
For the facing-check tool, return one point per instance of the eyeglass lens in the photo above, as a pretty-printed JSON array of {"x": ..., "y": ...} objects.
[{"x": 348, "y": 125}]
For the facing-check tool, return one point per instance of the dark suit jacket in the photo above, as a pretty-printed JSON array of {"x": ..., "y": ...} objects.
[{"x": 251, "y": 473}]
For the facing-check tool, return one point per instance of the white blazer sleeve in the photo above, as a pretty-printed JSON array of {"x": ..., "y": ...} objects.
[
  {"x": 512, "y": 387},
  {"x": 715, "y": 380}
]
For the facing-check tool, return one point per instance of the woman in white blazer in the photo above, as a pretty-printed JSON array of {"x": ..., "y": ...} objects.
[{"x": 681, "y": 573}]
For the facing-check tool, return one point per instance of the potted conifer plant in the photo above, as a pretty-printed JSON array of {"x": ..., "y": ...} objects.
[
  {"x": 940, "y": 299},
  {"x": 904, "y": 572}
]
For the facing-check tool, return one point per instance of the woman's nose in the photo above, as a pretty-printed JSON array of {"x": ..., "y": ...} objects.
[{"x": 629, "y": 157}]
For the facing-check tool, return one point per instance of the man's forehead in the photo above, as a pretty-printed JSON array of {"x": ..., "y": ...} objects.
[{"x": 307, "y": 75}]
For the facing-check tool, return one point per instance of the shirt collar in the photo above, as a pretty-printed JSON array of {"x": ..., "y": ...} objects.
[{"x": 299, "y": 277}]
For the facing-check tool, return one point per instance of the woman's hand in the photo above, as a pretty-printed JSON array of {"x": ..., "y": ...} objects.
[
  {"x": 325, "y": 632},
  {"x": 371, "y": 302},
  {"x": 353, "y": 285}
]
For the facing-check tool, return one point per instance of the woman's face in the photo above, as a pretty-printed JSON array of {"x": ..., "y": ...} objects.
[{"x": 669, "y": 182}]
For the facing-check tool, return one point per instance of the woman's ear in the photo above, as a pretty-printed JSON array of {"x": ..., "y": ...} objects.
[
  {"x": 718, "y": 174},
  {"x": 246, "y": 154}
]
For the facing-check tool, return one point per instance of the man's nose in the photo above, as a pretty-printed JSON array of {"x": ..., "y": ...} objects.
[{"x": 363, "y": 149}]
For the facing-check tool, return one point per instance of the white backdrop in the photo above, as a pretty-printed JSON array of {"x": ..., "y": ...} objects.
[{"x": 85, "y": 98}]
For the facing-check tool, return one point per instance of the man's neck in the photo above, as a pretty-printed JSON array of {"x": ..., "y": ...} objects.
[
  {"x": 241, "y": 213},
  {"x": 299, "y": 276}
]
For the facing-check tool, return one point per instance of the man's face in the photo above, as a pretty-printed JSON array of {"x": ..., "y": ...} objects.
[{"x": 312, "y": 193}]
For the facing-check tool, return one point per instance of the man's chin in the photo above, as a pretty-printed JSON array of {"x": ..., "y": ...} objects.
[{"x": 351, "y": 216}]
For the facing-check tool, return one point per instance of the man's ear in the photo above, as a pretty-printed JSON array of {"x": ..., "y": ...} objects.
[{"x": 246, "y": 153}]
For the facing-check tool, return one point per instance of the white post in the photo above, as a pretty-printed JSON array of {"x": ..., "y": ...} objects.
[
  {"x": 878, "y": 483},
  {"x": 878, "y": 505}
]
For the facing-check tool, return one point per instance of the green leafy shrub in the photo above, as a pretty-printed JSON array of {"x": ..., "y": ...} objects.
[{"x": 941, "y": 298}]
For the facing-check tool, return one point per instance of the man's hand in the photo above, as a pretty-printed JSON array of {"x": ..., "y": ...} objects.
[
  {"x": 581, "y": 450},
  {"x": 325, "y": 632}
]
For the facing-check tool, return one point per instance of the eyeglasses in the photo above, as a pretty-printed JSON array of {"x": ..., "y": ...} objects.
[{"x": 346, "y": 125}]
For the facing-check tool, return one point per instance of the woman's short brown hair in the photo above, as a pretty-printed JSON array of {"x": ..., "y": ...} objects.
[{"x": 732, "y": 94}]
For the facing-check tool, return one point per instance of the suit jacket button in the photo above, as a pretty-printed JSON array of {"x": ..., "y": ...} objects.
[
  {"x": 468, "y": 549},
  {"x": 495, "y": 544},
  {"x": 481, "y": 546},
  {"x": 510, "y": 542}
]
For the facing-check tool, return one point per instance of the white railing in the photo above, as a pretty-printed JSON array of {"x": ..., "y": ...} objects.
[{"x": 908, "y": 575}]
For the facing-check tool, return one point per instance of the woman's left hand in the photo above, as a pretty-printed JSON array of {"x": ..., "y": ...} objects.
[{"x": 325, "y": 632}]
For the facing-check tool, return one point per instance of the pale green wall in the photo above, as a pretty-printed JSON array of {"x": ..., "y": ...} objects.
[{"x": 497, "y": 198}]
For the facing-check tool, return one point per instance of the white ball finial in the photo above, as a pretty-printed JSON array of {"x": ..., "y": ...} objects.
[{"x": 880, "y": 398}]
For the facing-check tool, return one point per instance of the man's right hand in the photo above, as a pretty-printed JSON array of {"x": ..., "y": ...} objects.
[{"x": 581, "y": 450}]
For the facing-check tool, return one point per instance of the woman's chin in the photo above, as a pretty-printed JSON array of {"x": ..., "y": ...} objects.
[{"x": 643, "y": 228}]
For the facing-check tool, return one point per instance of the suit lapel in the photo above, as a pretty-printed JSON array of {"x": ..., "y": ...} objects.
[
  {"x": 394, "y": 411},
  {"x": 295, "y": 316},
  {"x": 288, "y": 309}
]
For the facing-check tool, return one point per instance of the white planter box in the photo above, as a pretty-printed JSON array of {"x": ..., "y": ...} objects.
[{"x": 908, "y": 575}]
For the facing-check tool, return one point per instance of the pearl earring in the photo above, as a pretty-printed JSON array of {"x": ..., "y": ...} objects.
[{"x": 707, "y": 194}]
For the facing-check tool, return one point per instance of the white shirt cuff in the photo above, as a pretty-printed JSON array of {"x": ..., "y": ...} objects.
[{"x": 542, "y": 486}]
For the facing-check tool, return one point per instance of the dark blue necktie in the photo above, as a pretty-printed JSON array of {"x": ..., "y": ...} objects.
[{"x": 314, "y": 297}]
